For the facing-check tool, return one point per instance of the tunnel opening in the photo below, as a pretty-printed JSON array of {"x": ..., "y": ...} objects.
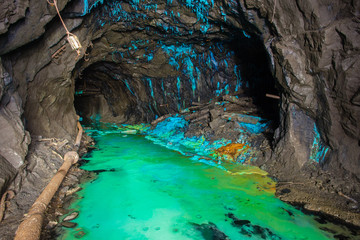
[
  {"x": 154, "y": 59},
  {"x": 142, "y": 81},
  {"x": 102, "y": 95},
  {"x": 255, "y": 67}
]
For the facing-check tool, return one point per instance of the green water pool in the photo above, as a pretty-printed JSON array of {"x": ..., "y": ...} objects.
[{"x": 146, "y": 191}]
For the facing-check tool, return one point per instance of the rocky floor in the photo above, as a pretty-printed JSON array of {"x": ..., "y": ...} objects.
[
  {"x": 42, "y": 162},
  {"x": 322, "y": 192},
  {"x": 312, "y": 188}
]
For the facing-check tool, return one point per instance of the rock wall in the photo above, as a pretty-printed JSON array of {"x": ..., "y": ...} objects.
[
  {"x": 315, "y": 55},
  {"x": 14, "y": 140}
]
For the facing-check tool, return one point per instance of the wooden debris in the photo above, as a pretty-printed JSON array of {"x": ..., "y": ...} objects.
[
  {"x": 240, "y": 118},
  {"x": 72, "y": 191},
  {"x": 244, "y": 102},
  {"x": 202, "y": 117},
  {"x": 7, "y": 195},
  {"x": 348, "y": 198},
  {"x": 58, "y": 52},
  {"x": 272, "y": 96},
  {"x": 197, "y": 114}
]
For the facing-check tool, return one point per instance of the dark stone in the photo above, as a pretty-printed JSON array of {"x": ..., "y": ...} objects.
[
  {"x": 328, "y": 230},
  {"x": 341, "y": 237},
  {"x": 104, "y": 170},
  {"x": 285, "y": 191},
  {"x": 320, "y": 220},
  {"x": 79, "y": 234},
  {"x": 71, "y": 216},
  {"x": 236, "y": 221},
  {"x": 69, "y": 224},
  {"x": 288, "y": 212},
  {"x": 210, "y": 231}
]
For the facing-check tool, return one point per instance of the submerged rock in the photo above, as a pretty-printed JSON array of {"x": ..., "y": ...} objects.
[
  {"x": 210, "y": 231},
  {"x": 69, "y": 224},
  {"x": 71, "y": 216}
]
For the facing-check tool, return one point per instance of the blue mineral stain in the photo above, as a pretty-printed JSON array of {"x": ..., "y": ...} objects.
[
  {"x": 151, "y": 88},
  {"x": 174, "y": 63},
  {"x": 150, "y": 57},
  {"x": 223, "y": 13},
  {"x": 180, "y": 56},
  {"x": 151, "y": 108},
  {"x": 245, "y": 34},
  {"x": 128, "y": 87},
  {"x": 252, "y": 124},
  {"x": 170, "y": 133},
  {"x": 163, "y": 90},
  {"x": 189, "y": 72},
  {"x": 238, "y": 78},
  {"x": 96, "y": 118},
  {"x": 178, "y": 84},
  {"x": 205, "y": 27},
  {"x": 318, "y": 149},
  {"x": 86, "y": 7},
  {"x": 227, "y": 90},
  {"x": 79, "y": 93},
  {"x": 252, "y": 128},
  {"x": 213, "y": 60}
]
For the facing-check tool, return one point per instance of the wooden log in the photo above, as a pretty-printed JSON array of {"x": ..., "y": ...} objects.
[
  {"x": 200, "y": 118},
  {"x": 197, "y": 114},
  {"x": 156, "y": 121},
  {"x": 30, "y": 228},
  {"x": 240, "y": 118},
  {"x": 239, "y": 101}
]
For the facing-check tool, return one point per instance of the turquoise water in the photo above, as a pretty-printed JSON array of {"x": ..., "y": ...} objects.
[{"x": 146, "y": 191}]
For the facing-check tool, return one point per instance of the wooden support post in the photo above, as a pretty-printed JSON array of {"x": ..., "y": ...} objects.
[{"x": 80, "y": 132}]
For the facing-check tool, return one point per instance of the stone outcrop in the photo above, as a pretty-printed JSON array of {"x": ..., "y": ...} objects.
[{"x": 315, "y": 55}]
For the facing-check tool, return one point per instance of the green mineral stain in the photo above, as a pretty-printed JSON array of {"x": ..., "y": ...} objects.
[{"x": 147, "y": 191}]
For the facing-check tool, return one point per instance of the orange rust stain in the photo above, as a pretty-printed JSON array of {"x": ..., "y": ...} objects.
[{"x": 232, "y": 150}]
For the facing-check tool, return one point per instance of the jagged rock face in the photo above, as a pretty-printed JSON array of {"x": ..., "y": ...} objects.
[
  {"x": 142, "y": 59},
  {"x": 316, "y": 54},
  {"x": 14, "y": 139}
]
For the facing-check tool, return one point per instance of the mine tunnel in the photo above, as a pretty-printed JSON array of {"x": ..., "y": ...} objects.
[
  {"x": 179, "y": 119},
  {"x": 109, "y": 92}
]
